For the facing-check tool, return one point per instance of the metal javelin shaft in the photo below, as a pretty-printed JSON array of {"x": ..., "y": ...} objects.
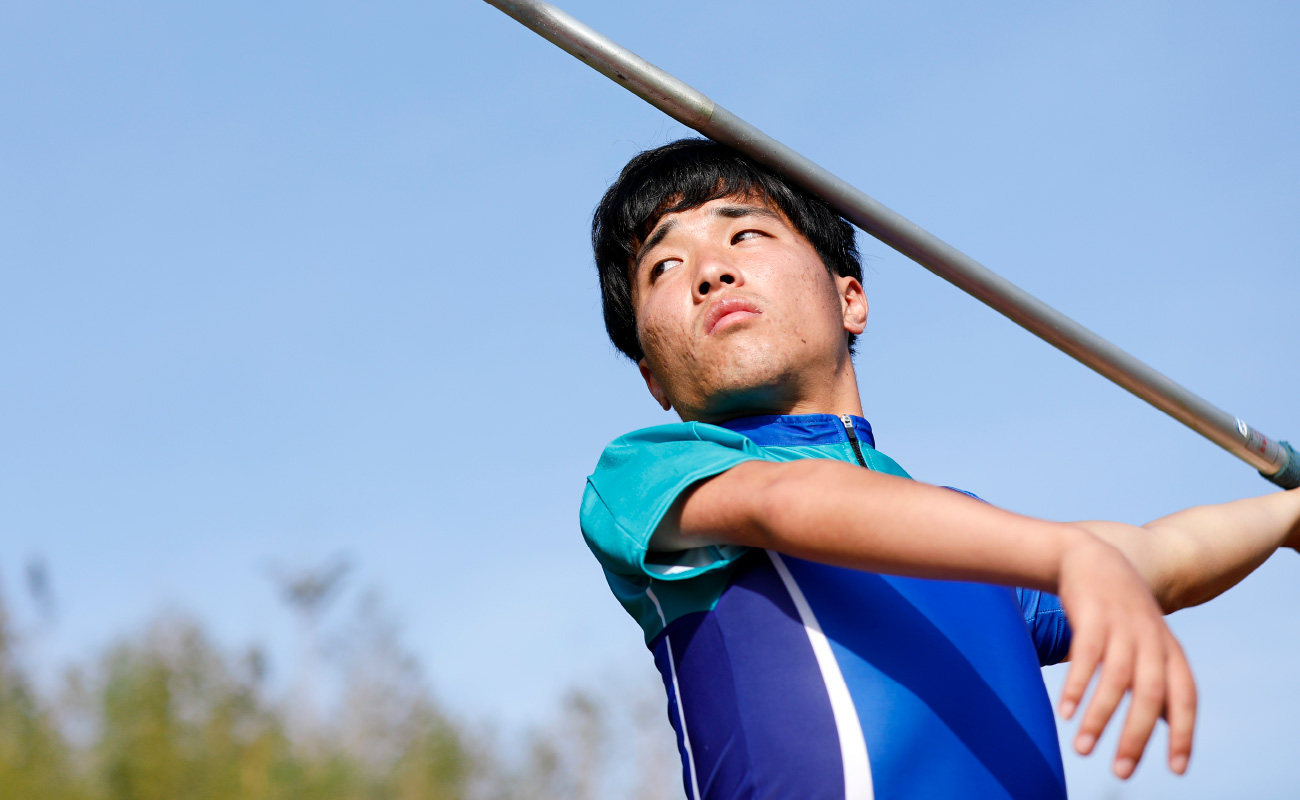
[{"x": 1275, "y": 460}]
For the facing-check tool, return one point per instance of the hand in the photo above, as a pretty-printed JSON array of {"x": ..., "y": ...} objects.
[{"x": 1118, "y": 626}]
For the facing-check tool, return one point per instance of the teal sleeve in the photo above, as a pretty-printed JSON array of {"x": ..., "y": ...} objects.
[{"x": 638, "y": 479}]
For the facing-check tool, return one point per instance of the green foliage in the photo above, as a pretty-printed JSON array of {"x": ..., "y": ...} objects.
[
  {"x": 173, "y": 720},
  {"x": 34, "y": 758},
  {"x": 167, "y": 716},
  {"x": 175, "y": 724}
]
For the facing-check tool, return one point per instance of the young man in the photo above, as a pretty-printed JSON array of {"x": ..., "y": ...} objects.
[{"x": 825, "y": 626}]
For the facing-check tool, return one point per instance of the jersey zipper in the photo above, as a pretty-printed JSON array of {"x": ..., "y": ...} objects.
[{"x": 853, "y": 438}]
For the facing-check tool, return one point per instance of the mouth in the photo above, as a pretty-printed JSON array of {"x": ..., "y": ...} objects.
[{"x": 726, "y": 312}]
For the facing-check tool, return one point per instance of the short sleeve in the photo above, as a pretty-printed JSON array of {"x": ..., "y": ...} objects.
[
  {"x": 1047, "y": 623},
  {"x": 638, "y": 479},
  {"x": 1048, "y": 626}
]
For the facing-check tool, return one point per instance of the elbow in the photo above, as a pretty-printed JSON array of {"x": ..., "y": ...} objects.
[
  {"x": 1171, "y": 598},
  {"x": 1180, "y": 584},
  {"x": 1181, "y": 594}
]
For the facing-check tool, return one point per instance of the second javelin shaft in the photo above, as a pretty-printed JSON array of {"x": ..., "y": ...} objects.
[{"x": 1275, "y": 460}]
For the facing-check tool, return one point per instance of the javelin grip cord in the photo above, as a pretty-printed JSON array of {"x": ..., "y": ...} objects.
[
  {"x": 1275, "y": 460},
  {"x": 1289, "y": 476}
]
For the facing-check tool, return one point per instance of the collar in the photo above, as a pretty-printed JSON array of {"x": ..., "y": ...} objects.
[{"x": 792, "y": 430}]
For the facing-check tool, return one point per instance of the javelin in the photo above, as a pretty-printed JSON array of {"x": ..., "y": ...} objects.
[{"x": 1275, "y": 460}]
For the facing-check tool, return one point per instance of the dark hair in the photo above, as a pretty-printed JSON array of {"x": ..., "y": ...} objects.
[{"x": 686, "y": 174}]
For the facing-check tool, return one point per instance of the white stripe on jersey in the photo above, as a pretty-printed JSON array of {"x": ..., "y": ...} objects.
[
  {"x": 853, "y": 745},
  {"x": 677, "y": 694}
]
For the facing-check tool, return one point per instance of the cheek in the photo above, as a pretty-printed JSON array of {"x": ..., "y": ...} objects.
[
  {"x": 806, "y": 286},
  {"x": 659, "y": 331}
]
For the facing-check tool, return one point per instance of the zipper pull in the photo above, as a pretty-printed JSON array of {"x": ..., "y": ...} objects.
[{"x": 853, "y": 438}]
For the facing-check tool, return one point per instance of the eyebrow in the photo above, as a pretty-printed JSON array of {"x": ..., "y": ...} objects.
[
  {"x": 651, "y": 242},
  {"x": 736, "y": 212},
  {"x": 726, "y": 212}
]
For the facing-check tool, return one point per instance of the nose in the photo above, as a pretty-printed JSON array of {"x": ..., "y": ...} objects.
[{"x": 713, "y": 274}]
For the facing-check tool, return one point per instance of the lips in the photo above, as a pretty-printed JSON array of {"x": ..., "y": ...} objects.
[{"x": 727, "y": 310}]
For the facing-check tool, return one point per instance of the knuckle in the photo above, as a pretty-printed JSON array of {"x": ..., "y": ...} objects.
[
  {"x": 1119, "y": 673},
  {"x": 1086, "y": 651},
  {"x": 1149, "y": 692}
]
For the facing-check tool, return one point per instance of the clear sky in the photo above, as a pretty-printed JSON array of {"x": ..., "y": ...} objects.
[{"x": 282, "y": 281}]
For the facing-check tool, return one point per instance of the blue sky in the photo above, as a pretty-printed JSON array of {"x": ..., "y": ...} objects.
[{"x": 281, "y": 281}]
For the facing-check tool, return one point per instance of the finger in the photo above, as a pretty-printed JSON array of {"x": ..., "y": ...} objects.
[
  {"x": 1148, "y": 701},
  {"x": 1085, "y": 652},
  {"x": 1180, "y": 709},
  {"x": 1116, "y": 677}
]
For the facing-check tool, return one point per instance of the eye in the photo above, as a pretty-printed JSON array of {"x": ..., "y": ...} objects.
[
  {"x": 661, "y": 267},
  {"x": 746, "y": 234}
]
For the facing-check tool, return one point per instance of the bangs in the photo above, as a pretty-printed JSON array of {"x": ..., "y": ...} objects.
[{"x": 685, "y": 181}]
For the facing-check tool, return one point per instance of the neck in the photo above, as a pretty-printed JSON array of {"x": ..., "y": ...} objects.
[{"x": 836, "y": 394}]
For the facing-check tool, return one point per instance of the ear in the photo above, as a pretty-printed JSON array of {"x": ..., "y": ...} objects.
[
  {"x": 652, "y": 383},
  {"x": 853, "y": 304}
]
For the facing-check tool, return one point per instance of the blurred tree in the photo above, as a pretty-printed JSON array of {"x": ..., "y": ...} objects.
[
  {"x": 40, "y": 588},
  {"x": 34, "y": 759},
  {"x": 308, "y": 592},
  {"x": 658, "y": 774},
  {"x": 174, "y": 723},
  {"x": 388, "y": 721},
  {"x": 583, "y": 730},
  {"x": 167, "y": 715}
]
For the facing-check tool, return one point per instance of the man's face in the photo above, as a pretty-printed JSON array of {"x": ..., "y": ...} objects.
[{"x": 737, "y": 314}]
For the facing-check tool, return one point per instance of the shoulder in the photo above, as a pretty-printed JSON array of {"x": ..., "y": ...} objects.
[
  {"x": 668, "y": 452},
  {"x": 639, "y": 477}
]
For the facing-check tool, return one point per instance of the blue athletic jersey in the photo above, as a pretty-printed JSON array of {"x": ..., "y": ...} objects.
[{"x": 793, "y": 679}]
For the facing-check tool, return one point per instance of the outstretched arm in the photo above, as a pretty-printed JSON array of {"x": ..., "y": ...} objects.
[
  {"x": 1196, "y": 555},
  {"x": 836, "y": 513}
]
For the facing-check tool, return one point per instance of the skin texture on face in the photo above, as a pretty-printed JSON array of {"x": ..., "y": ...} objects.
[{"x": 737, "y": 315}]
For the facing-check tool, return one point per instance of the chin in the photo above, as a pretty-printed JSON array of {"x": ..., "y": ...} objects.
[{"x": 747, "y": 380}]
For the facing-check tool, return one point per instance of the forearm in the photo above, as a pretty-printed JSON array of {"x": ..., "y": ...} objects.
[
  {"x": 838, "y": 514},
  {"x": 1195, "y": 555}
]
